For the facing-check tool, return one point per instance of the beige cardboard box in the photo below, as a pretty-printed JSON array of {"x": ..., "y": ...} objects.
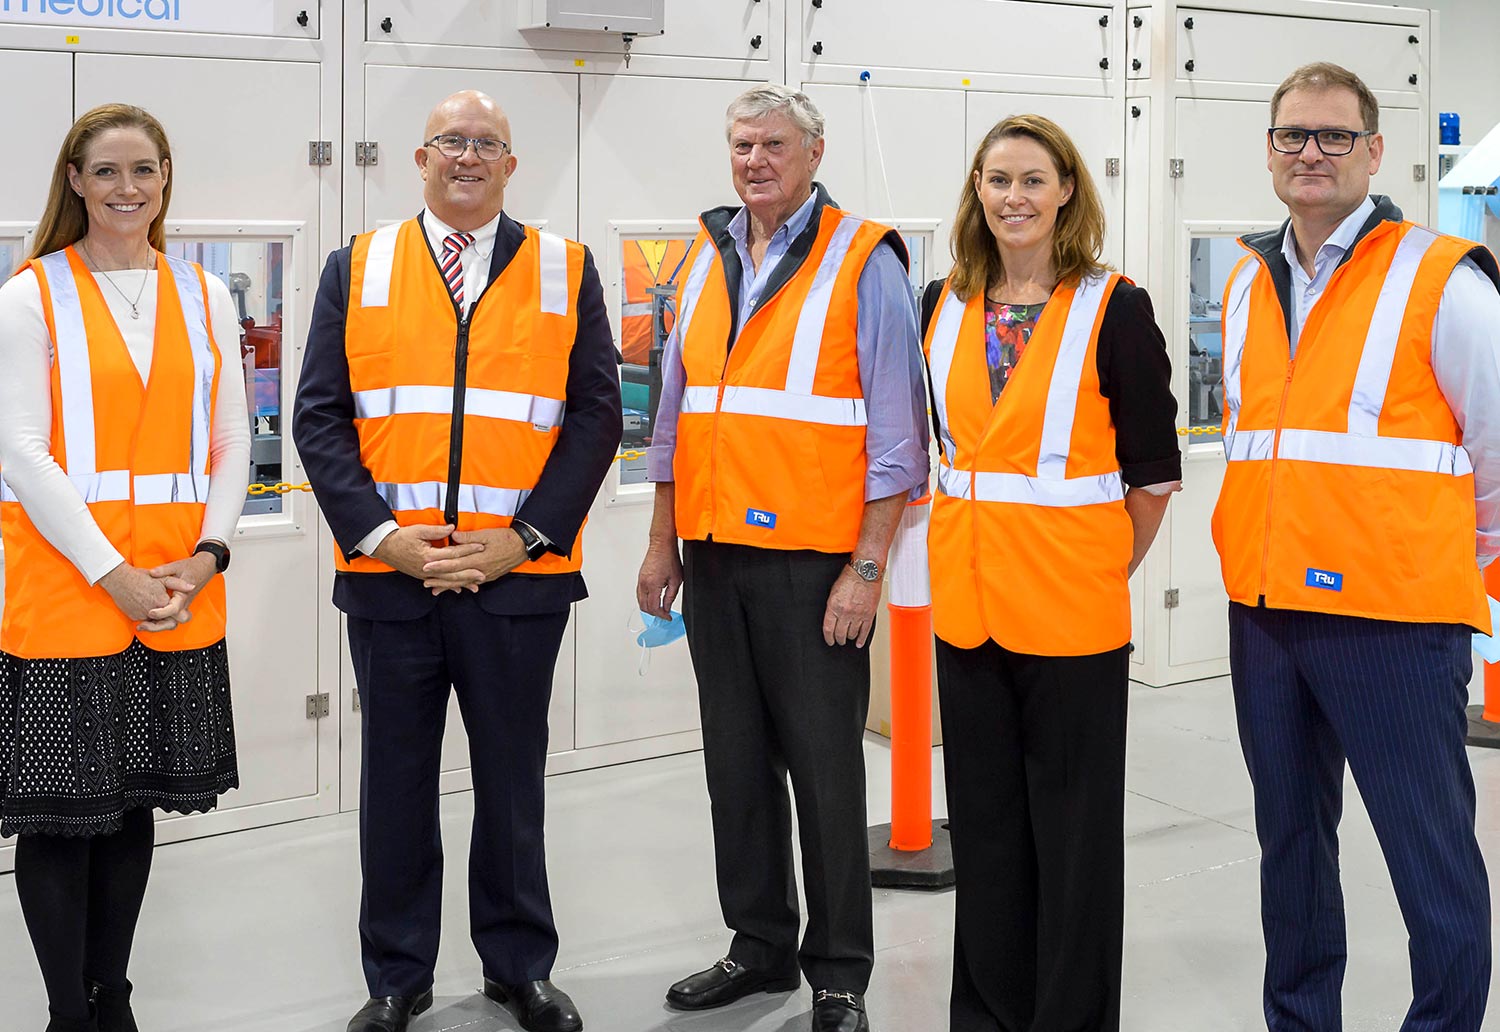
[{"x": 880, "y": 679}]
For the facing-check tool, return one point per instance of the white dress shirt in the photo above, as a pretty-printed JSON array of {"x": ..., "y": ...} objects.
[
  {"x": 1465, "y": 359},
  {"x": 50, "y": 499}
]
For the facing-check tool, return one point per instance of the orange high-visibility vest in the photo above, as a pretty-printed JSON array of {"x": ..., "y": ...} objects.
[
  {"x": 1347, "y": 489},
  {"x": 1030, "y": 543},
  {"x": 771, "y": 435},
  {"x": 635, "y": 313},
  {"x": 138, "y": 454},
  {"x": 459, "y": 417}
]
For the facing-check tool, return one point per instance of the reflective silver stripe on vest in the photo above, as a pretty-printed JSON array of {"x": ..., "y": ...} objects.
[
  {"x": 774, "y": 404},
  {"x": 1403, "y": 453},
  {"x": 195, "y": 314},
  {"x": 380, "y": 259},
  {"x": 472, "y": 498},
  {"x": 1019, "y": 489},
  {"x": 415, "y": 399},
  {"x": 74, "y": 366},
  {"x": 552, "y": 258},
  {"x": 950, "y": 319},
  {"x": 1236, "y": 329},
  {"x": 112, "y": 485},
  {"x": 163, "y": 488},
  {"x": 635, "y": 308},
  {"x": 1379, "y": 352},
  {"x": 1249, "y": 445},
  {"x": 703, "y": 263},
  {"x": 1067, "y": 378},
  {"x": 807, "y": 341}
]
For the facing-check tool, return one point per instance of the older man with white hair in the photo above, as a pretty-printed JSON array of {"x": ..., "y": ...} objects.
[{"x": 791, "y": 433}]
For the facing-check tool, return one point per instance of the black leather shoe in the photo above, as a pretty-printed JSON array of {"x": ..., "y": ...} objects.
[
  {"x": 725, "y": 982},
  {"x": 540, "y": 1006},
  {"x": 389, "y": 1013},
  {"x": 834, "y": 1011},
  {"x": 112, "y": 1007}
]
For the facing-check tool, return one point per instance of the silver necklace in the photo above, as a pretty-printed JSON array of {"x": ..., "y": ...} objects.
[{"x": 135, "y": 310}]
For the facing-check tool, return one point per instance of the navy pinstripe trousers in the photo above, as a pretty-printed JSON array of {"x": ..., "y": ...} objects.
[{"x": 1312, "y": 690}]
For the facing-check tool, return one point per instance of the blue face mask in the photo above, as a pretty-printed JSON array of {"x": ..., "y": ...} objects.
[{"x": 658, "y": 632}]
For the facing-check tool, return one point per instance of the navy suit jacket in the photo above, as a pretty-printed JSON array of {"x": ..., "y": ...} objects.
[{"x": 323, "y": 429}]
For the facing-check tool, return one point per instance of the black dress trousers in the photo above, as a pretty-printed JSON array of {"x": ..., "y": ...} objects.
[
  {"x": 501, "y": 669},
  {"x": 777, "y": 700},
  {"x": 1034, "y": 760}
]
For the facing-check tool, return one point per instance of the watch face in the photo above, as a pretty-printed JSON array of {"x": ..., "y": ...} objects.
[{"x": 868, "y": 569}]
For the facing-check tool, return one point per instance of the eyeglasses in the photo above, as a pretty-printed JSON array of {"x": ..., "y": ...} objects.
[
  {"x": 1334, "y": 143},
  {"x": 451, "y": 146}
]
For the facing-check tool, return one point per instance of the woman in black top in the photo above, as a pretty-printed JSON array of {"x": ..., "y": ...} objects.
[{"x": 1034, "y": 733}]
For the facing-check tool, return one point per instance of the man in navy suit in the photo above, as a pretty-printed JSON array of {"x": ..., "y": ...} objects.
[{"x": 458, "y": 408}]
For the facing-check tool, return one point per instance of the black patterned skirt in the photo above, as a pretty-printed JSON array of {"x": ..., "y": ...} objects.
[{"x": 84, "y": 740}]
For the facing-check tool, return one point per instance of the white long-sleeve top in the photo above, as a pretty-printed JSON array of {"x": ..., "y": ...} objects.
[
  {"x": 1465, "y": 360},
  {"x": 50, "y": 499}
]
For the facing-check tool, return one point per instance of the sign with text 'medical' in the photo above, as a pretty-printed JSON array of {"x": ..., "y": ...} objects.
[{"x": 253, "y": 17}]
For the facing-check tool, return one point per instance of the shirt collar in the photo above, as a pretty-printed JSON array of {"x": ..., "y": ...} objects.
[
  {"x": 438, "y": 230},
  {"x": 1339, "y": 243},
  {"x": 739, "y": 226}
]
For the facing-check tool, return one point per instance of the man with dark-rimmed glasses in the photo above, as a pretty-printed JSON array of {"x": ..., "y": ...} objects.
[
  {"x": 1361, "y": 498},
  {"x": 458, "y": 408}
]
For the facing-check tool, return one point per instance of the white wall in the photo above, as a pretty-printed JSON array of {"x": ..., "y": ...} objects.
[{"x": 1467, "y": 71}]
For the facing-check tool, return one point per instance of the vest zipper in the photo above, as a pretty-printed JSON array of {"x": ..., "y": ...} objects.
[{"x": 456, "y": 430}]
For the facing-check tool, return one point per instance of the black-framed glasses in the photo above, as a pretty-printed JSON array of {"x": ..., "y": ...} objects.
[
  {"x": 1335, "y": 143},
  {"x": 453, "y": 146}
]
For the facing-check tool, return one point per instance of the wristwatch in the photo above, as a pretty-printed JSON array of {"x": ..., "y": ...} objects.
[
  {"x": 868, "y": 569},
  {"x": 218, "y": 551},
  {"x": 530, "y": 539}
]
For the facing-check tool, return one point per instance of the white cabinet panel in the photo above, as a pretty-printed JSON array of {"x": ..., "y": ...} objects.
[
  {"x": 1009, "y": 36},
  {"x": 543, "y": 111},
  {"x": 248, "y": 161},
  {"x": 42, "y": 121},
  {"x": 722, "y": 28},
  {"x": 1223, "y": 147},
  {"x": 1230, "y": 46},
  {"x": 872, "y": 134},
  {"x": 1095, "y": 127},
  {"x": 239, "y": 129},
  {"x": 1406, "y": 145},
  {"x": 1198, "y": 629}
]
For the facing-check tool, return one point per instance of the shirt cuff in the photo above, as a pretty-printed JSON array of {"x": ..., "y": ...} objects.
[
  {"x": 101, "y": 566},
  {"x": 543, "y": 537},
  {"x": 1164, "y": 488},
  {"x": 659, "y": 463},
  {"x": 372, "y": 540}
]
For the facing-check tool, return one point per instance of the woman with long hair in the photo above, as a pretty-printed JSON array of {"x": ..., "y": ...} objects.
[
  {"x": 1053, "y": 407},
  {"x": 125, "y": 447}
]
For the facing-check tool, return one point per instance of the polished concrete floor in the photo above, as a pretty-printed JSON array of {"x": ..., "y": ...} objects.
[{"x": 255, "y": 932}]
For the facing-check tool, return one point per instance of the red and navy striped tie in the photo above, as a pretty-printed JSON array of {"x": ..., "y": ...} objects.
[{"x": 453, "y": 266}]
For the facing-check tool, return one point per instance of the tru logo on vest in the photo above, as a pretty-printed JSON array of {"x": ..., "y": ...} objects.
[
  {"x": 1325, "y": 579},
  {"x": 760, "y": 518}
]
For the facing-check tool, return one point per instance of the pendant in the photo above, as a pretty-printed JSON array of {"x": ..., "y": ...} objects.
[{"x": 135, "y": 313}]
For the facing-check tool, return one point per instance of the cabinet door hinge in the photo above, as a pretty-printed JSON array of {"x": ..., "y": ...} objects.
[
  {"x": 1174, "y": 168},
  {"x": 320, "y": 152},
  {"x": 1111, "y": 166},
  {"x": 1173, "y": 599},
  {"x": 317, "y": 706},
  {"x": 367, "y": 152}
]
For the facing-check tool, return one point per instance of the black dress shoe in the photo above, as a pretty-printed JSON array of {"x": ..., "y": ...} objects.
[
  {"x": 541, "y": 1006},
  {"x": 59, "y": 1024},
  {"x": 389, "y": 1013},
  {"x": 839, "y": 1012},
  {"x": 725, "y": 982}
]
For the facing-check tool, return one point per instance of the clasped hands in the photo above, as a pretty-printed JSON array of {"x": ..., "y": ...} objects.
[
  {"x": 158, "y": 599},
  {"x": 471, "y": 557}
]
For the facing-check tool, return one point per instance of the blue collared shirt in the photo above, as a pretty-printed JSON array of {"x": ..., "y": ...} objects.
[{"x": 889, "y": 353}]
